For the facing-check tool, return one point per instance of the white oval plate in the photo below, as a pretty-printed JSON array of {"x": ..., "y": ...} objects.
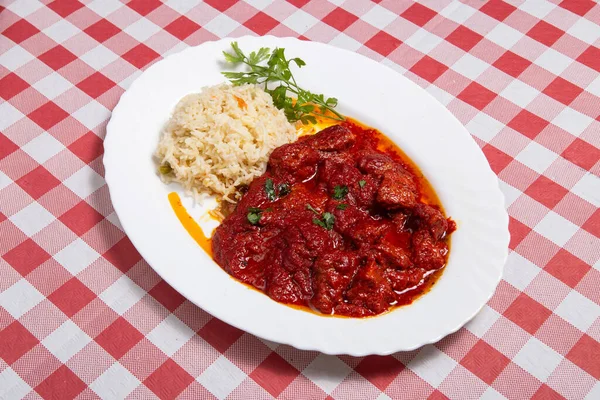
[{"x": 367, "y": 91}]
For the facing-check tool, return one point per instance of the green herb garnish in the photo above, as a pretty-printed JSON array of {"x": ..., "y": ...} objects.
[
  {"x": 362, "y": 183},
  {"x": 307, "y": 106},
  {"x": 270, "y": 189},
  {"x": 342, "y": 206},
  {"x": 284, "y": 189},
  {"x": 339, "y": 192},
  {"x": 311, "y": 208},
  {"x": 327, "y": 221},
  {"x": 254, "y": 215}
]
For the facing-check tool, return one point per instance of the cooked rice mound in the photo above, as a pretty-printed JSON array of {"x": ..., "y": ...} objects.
[{"x": 221, "y": 139}]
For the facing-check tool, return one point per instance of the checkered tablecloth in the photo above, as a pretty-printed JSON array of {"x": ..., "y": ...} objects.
[{"x": 82, "y": 315}]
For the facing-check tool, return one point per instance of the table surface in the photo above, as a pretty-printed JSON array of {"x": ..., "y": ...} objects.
[{"x": 82, "y": 315}]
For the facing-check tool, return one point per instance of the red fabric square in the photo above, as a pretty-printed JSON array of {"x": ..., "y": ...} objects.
[
  {"x": 518, "y": 232},
  {"x": 274, "y": 374},
  {"x": 219, "y": 334},
  {"x": 528, "y": 124},
  {"x": 340, "y": 19},
  {"x": 297, "y": 3},
  {"x": 15, "y": 340},
  {"x": 65, "y": 8},
  {"x": 592, "y": 225},
  {"x": 437, "y": 395},
  {"x": 383, "y": 43},
  {"x": 566, "y": 267},
  {"x": 81, "y": 218},
  {"x": 11, "y": 85},
  {"x": 562, "y": 90},
  {"x": 485, "y": 361},
  {"x": 168, "y": 380},
  {"x": 26, "y": 257},
  {"x": 57, "y": 57},
  {"x": 477, "y": 95},
  {"x": 428, "y": 69},
  {"x": 579, "y": 7},
  {"x": 222, "y": 5},
  {"x": 140, "y": 56},
  {"x": 527, "y": 313},
  {"x": 61, "y": 384},
  {"x": 95, "y": 85},
  {"x": 6, "y": 146},
  {"x": 261, "y": 23},
  {"x": 182, "y": 27},
  {"x": 20, "y": 31},
  {"x": 464, "y": 38},
  {"x": 546, "y": 191},
  {"x": 88, "y": 147},
  {"x": 72, "y": 297},
  {"x": 38, "y": 182},
  {"x": 48, "y": 115},
  {"x": 582, "y": 153},
  {"x": 418, "y": 14},
  {"x": 497, "y": 158},
  {"x": 380, "y": 371},
  {"x": 545, "y": 392},
  {"x": 591, "y": 58},
  {"x": 123, "y": 255},
  {"x": 586, "y": 354},
  {"x": 102, "y": 30},
  {"x": 511, "y": 63},
  {"x": 497, "y": 9},
  {"x": 119, "y": 337},
  {"x": 545, "y": 33},
  {"x": 144, "y": 7},
  {"x": 167, "y": 296}
]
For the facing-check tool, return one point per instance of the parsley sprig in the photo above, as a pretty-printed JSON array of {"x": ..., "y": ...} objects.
[{"x": 307, "y": 106}]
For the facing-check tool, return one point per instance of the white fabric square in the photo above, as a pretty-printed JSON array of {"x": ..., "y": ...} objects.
[
  {"x": 379, "y": 17},
  {"x": 595, "y": 392},
  {"x": 383, "y": 396},
  {"x": 504, "y": 35},
  {"x": 104, "y": 7},
  {"x": 484, "y": 127},
  {"x": 32, "y": 218},
  {"x": 344, "y": 41},
  {"x": 537, "y": 8},
  {"x": 221, "y": 377},
  {"x": 122, "y": 295},
  {"x": 12, "y": 386},
  {"x": 470, "y": 66},
  {"x": 432, "y": 365},
  {"x": 76, "y": 257},
  {"x": 519, "y": 271},
  {"x": 588, "y": 188},
  {"x": 182, "y": 6},
  {"x": 115, "y": 383},
  {"x": 221, "y": 25},
  {"x": 23, "y": 8},
  {"x": 43, "y": 147},
  {"x": 66, "y": 341},
  {"x": 553, "y": 61},
  {"x": 61, "y": 31},
  {"x": 99, "y": 57},
  {"x": 556, "y": 228},
  {"x": 572, "y": 121},
  {"x": 170, "y": 335},
  {"x": 20, "y": 298},
  {"x": 327, "y": 372},
  {"x": 8, "y": 115},
  {"x": 84, "y": 182},
  {"x": 510, "y": 193},
  {"x": 537, "y": 359},
  {"x": 52, "y": 85},
  {"x": 491, "y": 394},
  {"x": 4, "y": 180},
  {"x": 519, "y": 93},
  {"x": 440, "y": 94},
  {"x": 594, "y": 87},
  {"x": 458, "y": 12},
  {"x": 396, "y": 67},
  {"x": 92, "y": 114},
  {"x": 259, "y": 4},
  {"x": 300, "y": 21},
  {"x": 537, "y": 157},
  {"x": 585, "y": 30},
  {"x": 577, "y": 309},
  {"x": 15, "y": 57},
  {"x": 483, "y": 321},
  {"x": 142, "y": 29},
  {"x": 114, "y": 219},
  {"x": 424, "y": 41}
]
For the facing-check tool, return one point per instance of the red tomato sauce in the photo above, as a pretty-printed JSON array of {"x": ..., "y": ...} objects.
[{"x": 341, "y": 223}]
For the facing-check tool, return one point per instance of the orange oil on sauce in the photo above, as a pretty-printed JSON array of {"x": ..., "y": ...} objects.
[{"x": 189, "y": 224}]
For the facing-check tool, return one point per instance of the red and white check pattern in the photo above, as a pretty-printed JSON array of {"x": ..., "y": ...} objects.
[{"x": 83, "y": 316}]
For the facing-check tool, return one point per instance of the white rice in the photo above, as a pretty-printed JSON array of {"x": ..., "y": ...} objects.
[{"x": 215, "y": 143}]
